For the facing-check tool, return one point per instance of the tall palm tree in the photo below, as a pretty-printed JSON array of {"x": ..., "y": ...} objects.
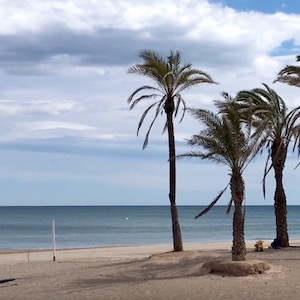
[
  {"x": 171, "y": 78},
  {"x": 269, "y": 115},
  {"x": 290, "y": 74},
  {"x": 226, "y": 140}
]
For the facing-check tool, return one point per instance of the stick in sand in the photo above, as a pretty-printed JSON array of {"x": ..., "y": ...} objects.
[{"x": 53, "y": 235}]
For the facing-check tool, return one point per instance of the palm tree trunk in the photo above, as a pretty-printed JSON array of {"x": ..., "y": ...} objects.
[
  {"x": 280, "y": 209},
  {"x": 177, "y": 239},
  {"x": 237, "y": 194},
  {"x": 280, "y": 203}
]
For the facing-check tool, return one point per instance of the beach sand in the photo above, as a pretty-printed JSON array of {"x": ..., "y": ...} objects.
[{"x": 146, "y": 272}]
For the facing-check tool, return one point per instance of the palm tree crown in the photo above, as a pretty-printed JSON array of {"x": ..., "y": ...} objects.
[
  {"x": 224, "y": 139},
  {"x": 171, "y": 78},
  {"x": 270, "y": 117},
  {"x": 290, "y": 74}
]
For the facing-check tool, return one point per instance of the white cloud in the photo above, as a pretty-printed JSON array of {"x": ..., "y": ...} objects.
[
  {"x": 14, "y": 108},
  {"x": 46, "y": 125}
]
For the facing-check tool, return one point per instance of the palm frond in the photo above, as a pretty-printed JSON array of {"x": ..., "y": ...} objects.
[
  {"x": 180, "y": 100},
  {"x": 224, "y": 136},
  {"x": 266, "y": 171},
  {"x": 296, "y": 135},
  {"x": 207, "y": 117},
  {"x": 229, "y": 205},
  {"x": 190, "y": 82},
  {"x": 143, "y": 97},
  {"x": 292, "y": 117},
  {"x": 207, "y": 156},
  {"x": 144, "y": 87},
  {"x": 145, "y": 114},
  {"x": 297, "y": 166},
  {"x": 293, "y": 81},
  {"x": 290, "y": 75},
  {"x": 148, "y": 132},
  {"x": 209, "y": 143},
  {"x": 254, "y": 146},
  {"x": 211, "y": 205}
]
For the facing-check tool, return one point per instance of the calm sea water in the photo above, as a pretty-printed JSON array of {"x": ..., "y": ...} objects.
[{"x": 31, "y": 227}]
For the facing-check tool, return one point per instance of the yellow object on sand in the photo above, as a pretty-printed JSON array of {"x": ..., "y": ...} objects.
[{"x": 259, "y": 246}]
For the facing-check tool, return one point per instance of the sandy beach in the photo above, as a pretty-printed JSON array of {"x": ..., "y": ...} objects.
[{"x": 146, "y": 272}]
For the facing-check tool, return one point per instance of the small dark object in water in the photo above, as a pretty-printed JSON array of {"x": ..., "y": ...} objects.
[{"x": 6, "y": 280}]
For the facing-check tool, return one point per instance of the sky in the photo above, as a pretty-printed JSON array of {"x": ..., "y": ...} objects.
[{"x": 67, "y": 136}]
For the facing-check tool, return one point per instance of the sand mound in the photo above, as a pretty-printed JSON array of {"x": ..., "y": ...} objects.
[
  {"x": 176, "y": 264},
  {"x": 183, "y": 257},
  {"x": 237, "y": 268}
]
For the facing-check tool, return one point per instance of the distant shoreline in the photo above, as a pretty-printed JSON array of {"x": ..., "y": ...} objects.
[
  {"x": 165, "y": 205},
  {"x": 217, "y": 245}
]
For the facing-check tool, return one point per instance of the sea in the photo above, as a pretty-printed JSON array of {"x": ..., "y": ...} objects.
[{"x": 31, "y": 227}]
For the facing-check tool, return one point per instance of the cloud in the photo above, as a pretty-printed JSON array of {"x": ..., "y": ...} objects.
[
  {"x": 76, "y": 35},
  {"x": 14, "y": 108}
]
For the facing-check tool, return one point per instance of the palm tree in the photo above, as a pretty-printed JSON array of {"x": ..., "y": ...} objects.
[
  {"x": 171, "y": 78},
  {"x": 290, "y": 74},
  {"x": 270, "y": 117},
  {"x": 226, "y": 140}
]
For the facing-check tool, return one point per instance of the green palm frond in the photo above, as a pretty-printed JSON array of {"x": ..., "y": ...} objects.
[
  {"x": 290, "y": 70},
  {"x": 191, "y": 78},
  {"x": 290, "y": 80},
  {"x": 268, "y": 110},
  {"x": 267, "y": 99},
  {"x": 226, "y": 104},
  {"x": 290, "y": 123},
  {"x": 207, "y": 117},
  {"x": 213, "y": 144},
  {"x": 262, "y": 100},
  {"x": 290, "y": 75},
  {"x": 255, "y": 146},
  {"x": 225, "y": 139}
]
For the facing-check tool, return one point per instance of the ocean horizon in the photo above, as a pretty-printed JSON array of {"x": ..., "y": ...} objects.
[{"x": 30, "y": 227}]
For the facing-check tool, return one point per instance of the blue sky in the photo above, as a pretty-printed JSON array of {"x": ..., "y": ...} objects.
[
  {"x": 67, "y": 136},
  {"x": 266, "y": 6}
]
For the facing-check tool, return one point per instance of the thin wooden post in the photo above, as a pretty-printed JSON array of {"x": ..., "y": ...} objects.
[{"x": 53, "y": 236}]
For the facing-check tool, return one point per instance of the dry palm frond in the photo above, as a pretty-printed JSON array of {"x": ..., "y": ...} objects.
[{"x": 210, "y": 206}]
